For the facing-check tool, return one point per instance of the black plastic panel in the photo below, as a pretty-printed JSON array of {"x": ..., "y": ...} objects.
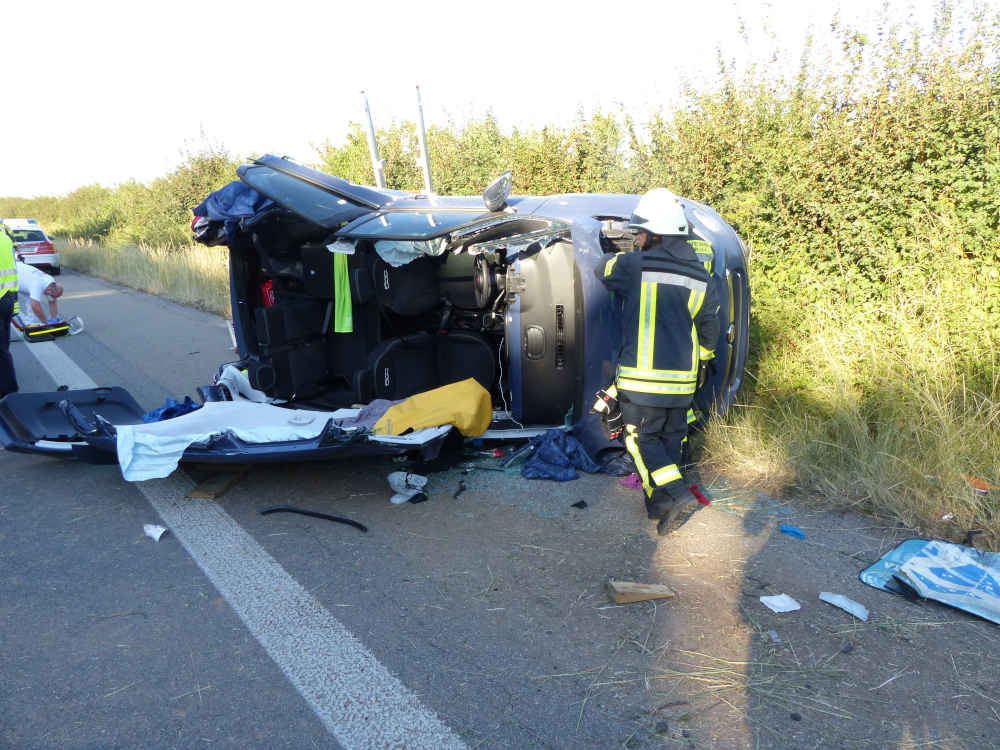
[{"x": 37, "y": 416}]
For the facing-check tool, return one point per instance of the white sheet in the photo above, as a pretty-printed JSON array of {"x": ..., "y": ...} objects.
[{"x": 152, "y": 451}]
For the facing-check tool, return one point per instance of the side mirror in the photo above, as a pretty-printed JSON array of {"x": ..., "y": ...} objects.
[{"x": 495, "y": 194}]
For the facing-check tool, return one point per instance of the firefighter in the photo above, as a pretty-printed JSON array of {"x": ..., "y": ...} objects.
[
  {"x": 671, "y": 325},
  {"x": 8, "y": 309}
]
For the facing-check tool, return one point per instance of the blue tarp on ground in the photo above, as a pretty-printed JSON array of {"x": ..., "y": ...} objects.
[
  {"x": 557, "y": 455},
  {"x": 962, "y": 577}
]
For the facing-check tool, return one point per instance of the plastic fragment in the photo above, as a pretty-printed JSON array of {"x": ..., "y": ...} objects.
[
  {"x": 780, "y": 603},
  {"x": 406, "y": 485},
  {"x": 848, "y": 605},
  {"x": 794, "y": 531},
  {"x": 773, "y": 635},
  {"x": 580, "y": 504},
  {"x": 979, "y": 485},
  {"x": 153, "y": 531},
  {"x": 700, "y": 496},
  {"x": 632, "y": 481}
]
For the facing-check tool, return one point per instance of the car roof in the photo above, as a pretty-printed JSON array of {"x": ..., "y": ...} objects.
[{"x": 20, "y": 223}]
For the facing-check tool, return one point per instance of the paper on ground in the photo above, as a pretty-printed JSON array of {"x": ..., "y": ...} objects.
[
  {"x": 780, "y": 603},
  {"x": 848, "y": 605},
  {"x": 153, "y": 531}
]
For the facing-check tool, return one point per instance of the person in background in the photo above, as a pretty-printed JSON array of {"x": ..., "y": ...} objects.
[
  {"x": 8, "y": 309},
  {"x": 671, "y": 324},
  {"x": 36, "y": 287}
]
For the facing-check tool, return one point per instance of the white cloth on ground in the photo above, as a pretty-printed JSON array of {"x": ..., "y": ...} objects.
[{"x": 153, "y": 450}]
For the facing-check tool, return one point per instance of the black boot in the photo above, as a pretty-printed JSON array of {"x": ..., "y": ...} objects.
[{"x": 681, "y": 499}]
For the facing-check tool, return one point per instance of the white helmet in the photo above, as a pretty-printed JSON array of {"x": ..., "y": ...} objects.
[{"x": 660, "y": 212}]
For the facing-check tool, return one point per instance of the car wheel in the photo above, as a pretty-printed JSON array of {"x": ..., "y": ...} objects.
[{"x": 55, "y": 270}]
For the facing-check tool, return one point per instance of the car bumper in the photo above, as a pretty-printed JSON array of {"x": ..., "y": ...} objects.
[{"x": 42, "y": 259}]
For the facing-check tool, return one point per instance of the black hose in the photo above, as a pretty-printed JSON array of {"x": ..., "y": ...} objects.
[{"x": 314, "y": 514}]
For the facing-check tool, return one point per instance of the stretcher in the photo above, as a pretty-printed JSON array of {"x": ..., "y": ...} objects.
[{"x": 47, "y": 331}]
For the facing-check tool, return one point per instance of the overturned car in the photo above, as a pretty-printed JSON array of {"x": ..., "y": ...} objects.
[{"x": 344, "y": 294}]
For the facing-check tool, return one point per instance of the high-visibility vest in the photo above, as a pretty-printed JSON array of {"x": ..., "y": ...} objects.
[
  {"x": 8, "y": 273},
  {"x": 670, "y": 317}
]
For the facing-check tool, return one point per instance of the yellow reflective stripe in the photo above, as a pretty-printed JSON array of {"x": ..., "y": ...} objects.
[
  {"x": 641, "y": 386},
  {"x": 610, "y": 265},
  {"x": 695, "y": 300},
  {"x": 633, "y": 449},
  {"x": 704, "y": 353},
  {"x": 692, "y": 417},
  {"x": 611, "y": 391},
  {"x": 701, "y": 247},
  {"x": 635, "y": 372},
  {"x": 8, "y": 271},
  {"x": 666, "y": 474}
]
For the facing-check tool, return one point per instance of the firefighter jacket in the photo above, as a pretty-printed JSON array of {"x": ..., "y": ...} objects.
[
  {"x": 8, "y": 272},
  {"x": 670, "y": 320}
]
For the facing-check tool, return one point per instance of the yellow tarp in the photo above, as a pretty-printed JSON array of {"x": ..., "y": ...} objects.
[{"x": 464, "y": 404}]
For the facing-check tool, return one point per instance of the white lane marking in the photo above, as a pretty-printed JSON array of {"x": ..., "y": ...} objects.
[
  {"x": 58, "y": 364},
  {"x": 360, "y": 702}
]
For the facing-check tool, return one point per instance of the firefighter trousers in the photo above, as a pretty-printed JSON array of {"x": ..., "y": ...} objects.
[{"x": 654, "y": 437}]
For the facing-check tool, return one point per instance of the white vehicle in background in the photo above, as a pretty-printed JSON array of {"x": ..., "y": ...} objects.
[{"x": 32, "y": 245}]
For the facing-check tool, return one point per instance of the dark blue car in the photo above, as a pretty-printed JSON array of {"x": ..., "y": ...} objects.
[{"x": 496, "y": 287}]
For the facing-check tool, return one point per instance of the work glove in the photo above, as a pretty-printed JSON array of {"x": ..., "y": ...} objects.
[{"x": 611, "y": 413}]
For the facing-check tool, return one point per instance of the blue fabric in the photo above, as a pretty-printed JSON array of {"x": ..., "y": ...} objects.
[
  {"x": 557, "y": 455},
  {"x": 787, "y": 528},
  {"x": 231, "y": 203},
  {"x": 171, "y": 408}
]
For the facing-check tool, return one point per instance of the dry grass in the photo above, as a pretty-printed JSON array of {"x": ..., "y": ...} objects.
[
  {"x": 195, "y": 275},
  {"x": 883, "y": 406}
]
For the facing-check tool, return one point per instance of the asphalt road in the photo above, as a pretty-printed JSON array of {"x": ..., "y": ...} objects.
[{"x": 477, "y": 619}]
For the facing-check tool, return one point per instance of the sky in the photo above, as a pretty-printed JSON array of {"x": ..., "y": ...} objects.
[{"x": 106, "y": 91}]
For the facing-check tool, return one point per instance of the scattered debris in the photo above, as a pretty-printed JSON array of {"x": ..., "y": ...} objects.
[
  {"x": 313, "y": 514},
  {"x": 579, "y": 504},
  {"x": 947, "y": 516},
  {"x": 406, "y": 485},
  {"x": 848, "y": 605},
  {"x": 979, "y": 485},
  {"x": 461, "y": 488},
  {"x": 794, "y": 531},
  {"x": 632, "y": 481},
  {"x": 773, "y": 635},
  {"x": 626, "y": 592},
  {"x": 780, "y": 603},
  {"x": 700, "y": 496},
  {"x": 959, "y": 576},
  {"x": 153, "y": 531},
  {"x": 795, "y": 717}
]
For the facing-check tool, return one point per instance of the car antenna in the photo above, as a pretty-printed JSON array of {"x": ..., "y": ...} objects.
[
  {"x": 424, "y": 160},
  {"x": 378, "y": 165}
]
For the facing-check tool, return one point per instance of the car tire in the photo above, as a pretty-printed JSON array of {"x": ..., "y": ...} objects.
[{"x": 55, "y": 270}]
